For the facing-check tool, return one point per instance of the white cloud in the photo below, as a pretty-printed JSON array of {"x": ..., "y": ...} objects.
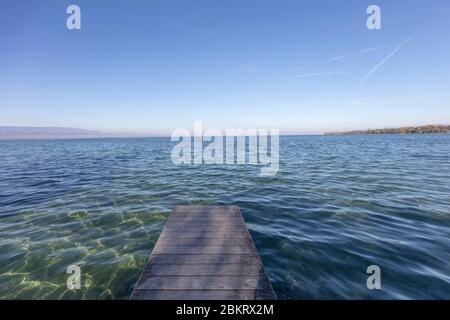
[{"x": 245, "y": 68}]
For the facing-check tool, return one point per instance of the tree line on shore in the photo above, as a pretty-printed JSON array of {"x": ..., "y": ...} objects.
[{"x": 403, "y": 130}]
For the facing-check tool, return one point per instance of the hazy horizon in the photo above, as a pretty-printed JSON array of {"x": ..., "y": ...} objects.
[{"x": 95, "y": 133}]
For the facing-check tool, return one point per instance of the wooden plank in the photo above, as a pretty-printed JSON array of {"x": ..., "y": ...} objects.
[
  {"x": 202, "y": 259},
  {"x": 203, "y": 220},
  {"x": 206, "y": 210},
  {"x": 203, "y": 294},
  {"x": 203, "y": 224},
  {"x": 199, "y": 241},
  {"x": 205, "y": 270},
  {"x": 215, "y": 216},
  {"x": 204, "y": 252},
  {"x": 204, "y": 216},
  {"x": 237, "y": 228},
  {"x": 204, "y": 282},
  {"x": 159, "y": 249},
  {"x": 223, "y": 234}
]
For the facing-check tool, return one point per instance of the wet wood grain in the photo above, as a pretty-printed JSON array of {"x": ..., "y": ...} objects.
[{"x": 204, "y": 252}]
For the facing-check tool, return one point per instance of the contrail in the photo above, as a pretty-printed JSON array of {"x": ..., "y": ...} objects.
[
  {"x": 352, "y": 54},
  {"x": 385, "y": 59},
  {"x": 337, "y": 58},
  {"x": 317, "y": 74}
]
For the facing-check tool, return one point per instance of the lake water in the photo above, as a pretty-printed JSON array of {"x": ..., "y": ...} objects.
[{"x": 337, "y": 205}]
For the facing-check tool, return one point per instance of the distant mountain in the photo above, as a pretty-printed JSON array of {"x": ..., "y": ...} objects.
[
  {"x": 9, "y": 132},
  {"x": 403, "y": 130}
]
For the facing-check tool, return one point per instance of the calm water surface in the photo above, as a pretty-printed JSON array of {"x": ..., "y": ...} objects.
[{"x": 337, "y": 205}]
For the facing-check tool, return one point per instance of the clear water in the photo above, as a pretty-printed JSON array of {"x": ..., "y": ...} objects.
[{"x": 337, "y": 205}]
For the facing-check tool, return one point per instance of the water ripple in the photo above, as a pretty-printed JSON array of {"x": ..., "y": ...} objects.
[{"x": 337, "y": 205}]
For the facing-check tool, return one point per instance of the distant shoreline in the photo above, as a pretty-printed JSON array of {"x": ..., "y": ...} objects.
[
  {"x": 403, "y": 130},
  {"x": 107, "y": 137},
  {"x": 59, "y": 133}
]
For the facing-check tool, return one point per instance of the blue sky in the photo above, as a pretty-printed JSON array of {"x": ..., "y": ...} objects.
[{"x": 153, "y": 66}]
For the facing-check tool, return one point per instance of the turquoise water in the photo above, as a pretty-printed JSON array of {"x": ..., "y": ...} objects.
[{"x": 337, "y": 205}]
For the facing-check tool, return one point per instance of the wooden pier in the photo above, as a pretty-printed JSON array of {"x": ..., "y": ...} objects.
[{"x": 204, "y": 253}]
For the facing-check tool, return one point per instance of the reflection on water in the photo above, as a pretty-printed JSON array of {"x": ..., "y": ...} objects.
[{"x": 337, "y": 205}]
